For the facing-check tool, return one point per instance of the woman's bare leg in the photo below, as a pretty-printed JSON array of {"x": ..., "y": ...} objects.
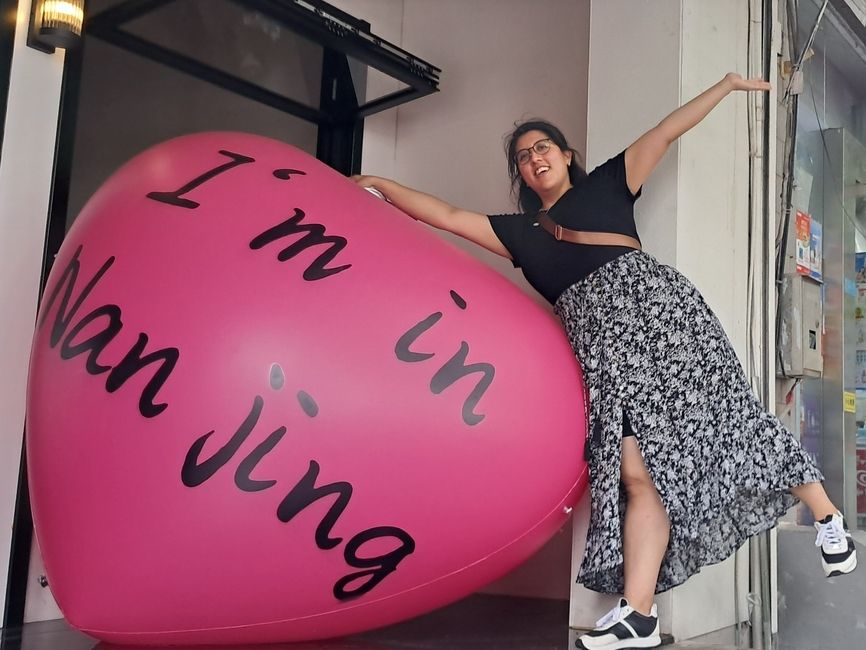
[
  {"x": 816, "y": 499},
  {"x": 646, "y": 532}
]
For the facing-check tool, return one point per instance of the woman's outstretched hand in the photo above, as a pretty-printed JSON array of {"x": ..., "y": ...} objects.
[
  {"x": 736, "y": 82},
  {"x": 369, "y": 183}
]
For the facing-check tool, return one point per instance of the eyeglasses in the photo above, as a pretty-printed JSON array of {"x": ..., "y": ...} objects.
[{"x": 541, "y": 147}]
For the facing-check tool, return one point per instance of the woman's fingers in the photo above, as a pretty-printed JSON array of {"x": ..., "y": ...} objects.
[
  {"x": 758, "y": 84},
  {"x": 738, "y": 83}
]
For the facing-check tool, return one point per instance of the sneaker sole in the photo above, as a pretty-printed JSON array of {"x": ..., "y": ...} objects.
[
  {"x": 627, "y": 644},
  {"x": 833, "y": 570}
]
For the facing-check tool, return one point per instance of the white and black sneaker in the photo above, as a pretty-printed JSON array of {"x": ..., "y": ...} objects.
[
  {"x": 838, "y": 554},
  {"x": 623, "y": 627}
]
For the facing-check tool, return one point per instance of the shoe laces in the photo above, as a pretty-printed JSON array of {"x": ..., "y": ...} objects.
[
  {"x": 831, "y": 532},
  {"x": 611, "y": 617}
]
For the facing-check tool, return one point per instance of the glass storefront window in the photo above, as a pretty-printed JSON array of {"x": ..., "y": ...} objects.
[{"x": 829, "y": 199}]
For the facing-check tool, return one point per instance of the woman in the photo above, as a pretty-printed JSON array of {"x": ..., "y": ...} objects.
[{"x": 685, "y": 464}]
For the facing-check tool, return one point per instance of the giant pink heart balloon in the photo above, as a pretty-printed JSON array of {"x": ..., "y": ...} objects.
[{"x": 265, "y": 406}]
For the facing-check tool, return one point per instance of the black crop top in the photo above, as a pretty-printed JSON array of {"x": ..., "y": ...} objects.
[{"x": 600, "y": 202}]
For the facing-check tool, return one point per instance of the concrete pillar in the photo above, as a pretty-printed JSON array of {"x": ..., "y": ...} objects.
[{"x": 26, "y": 162}]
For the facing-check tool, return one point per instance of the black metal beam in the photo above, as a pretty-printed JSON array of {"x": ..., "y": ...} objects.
[
  {"x": 19, "y": 557},
  {"x": 125, "y": 11},
  {"x": 387, "y": 101},
  {"x": 339, "y": 146},
  {"x": 340, "y": 139}
]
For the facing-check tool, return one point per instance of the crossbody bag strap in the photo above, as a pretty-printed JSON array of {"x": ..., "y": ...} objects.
[{"x": 585, "y": 236}]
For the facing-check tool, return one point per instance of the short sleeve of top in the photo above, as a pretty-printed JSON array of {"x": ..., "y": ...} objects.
[
  {"x": 599, "y": 202},
  {"x": 614, "y": 171}
]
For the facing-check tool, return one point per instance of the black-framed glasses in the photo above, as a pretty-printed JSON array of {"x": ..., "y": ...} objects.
[{"x": 523, "y": 156}]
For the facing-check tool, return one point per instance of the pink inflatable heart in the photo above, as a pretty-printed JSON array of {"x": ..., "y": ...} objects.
[{"x": 265, "y": 405}]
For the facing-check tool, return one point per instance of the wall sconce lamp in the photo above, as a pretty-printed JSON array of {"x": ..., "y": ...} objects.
[{"x": 55, "y": 23}]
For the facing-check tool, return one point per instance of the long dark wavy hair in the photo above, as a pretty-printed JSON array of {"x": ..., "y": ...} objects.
[{"x": 527, "y": 200}]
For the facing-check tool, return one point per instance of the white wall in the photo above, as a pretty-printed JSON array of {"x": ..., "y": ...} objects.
[
  {"x": 634, "y": 81},
  {"x": 502, "y": 61},
  {"x": 713, "y": 198},
  {"x": 25, "y": 180}
]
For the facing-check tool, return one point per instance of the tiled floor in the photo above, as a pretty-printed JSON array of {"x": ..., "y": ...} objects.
[{"x": 480, "y": 621}]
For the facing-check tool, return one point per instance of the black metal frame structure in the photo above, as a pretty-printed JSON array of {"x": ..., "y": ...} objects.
[
  {"x": 340, "y": 121},
  {"x": 341, "y": 113}
]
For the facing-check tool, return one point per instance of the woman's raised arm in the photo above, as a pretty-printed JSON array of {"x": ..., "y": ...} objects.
[{"x": 644, "y": 154}]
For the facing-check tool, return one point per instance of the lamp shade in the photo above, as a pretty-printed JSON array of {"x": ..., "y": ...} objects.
[{"x": 58, "y": 22}]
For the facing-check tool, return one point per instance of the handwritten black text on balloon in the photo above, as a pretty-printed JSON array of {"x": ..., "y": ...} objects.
[
  {"x": 454, "y": 369},
  {"x": 314, "y": 233},
  {"x": 110, "y": 317},
  {"x": 303, "y": 494}
]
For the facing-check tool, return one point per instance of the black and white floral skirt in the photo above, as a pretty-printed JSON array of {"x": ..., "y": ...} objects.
[{"x": 652, "y": 349}]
